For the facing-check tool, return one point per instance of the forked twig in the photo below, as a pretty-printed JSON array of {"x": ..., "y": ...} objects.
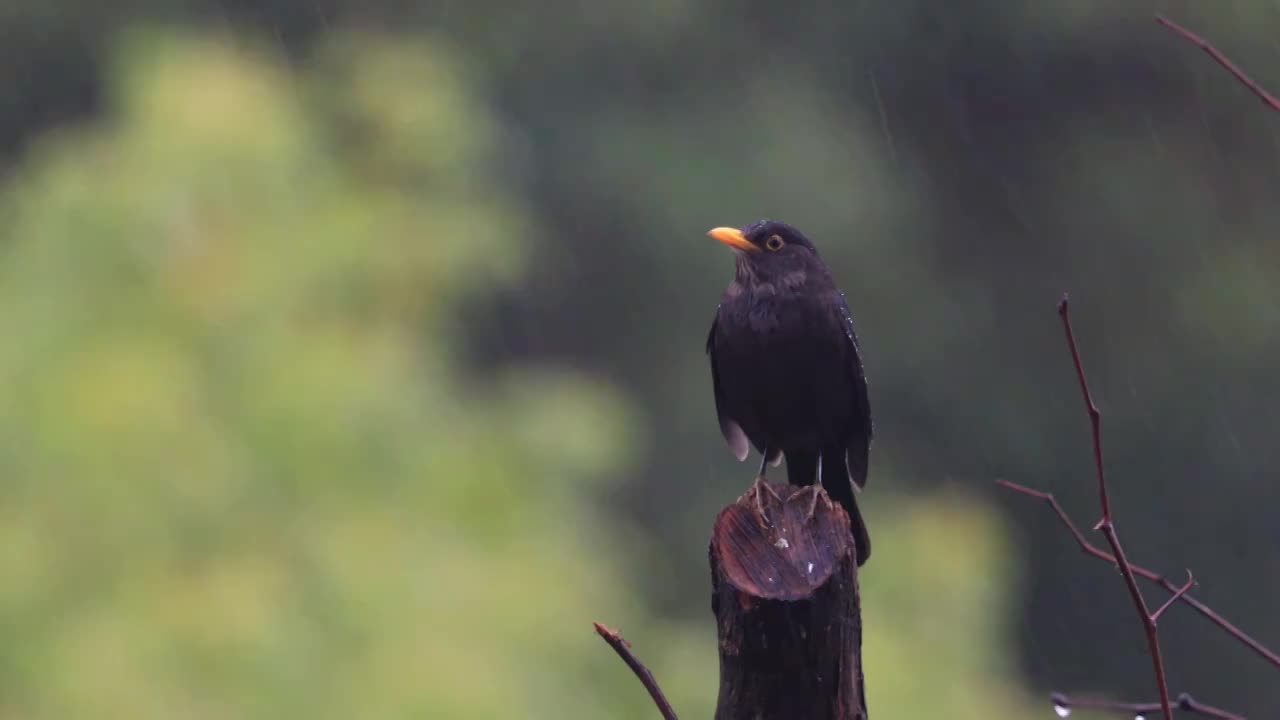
[
  {"x": 1107, "y": 526},
  {"x": 1063, "y": 703},
  {"x": 1092, "y": 550},
  {"x": 1191, "y": 581}
]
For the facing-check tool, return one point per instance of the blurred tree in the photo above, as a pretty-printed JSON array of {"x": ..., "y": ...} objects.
[{"x": 243, "y": 473}]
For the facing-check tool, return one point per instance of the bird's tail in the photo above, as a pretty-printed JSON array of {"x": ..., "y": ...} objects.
[{"x": 802, "y": 469}]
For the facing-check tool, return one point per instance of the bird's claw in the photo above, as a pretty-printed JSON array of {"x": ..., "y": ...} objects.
[
  {"x": 763, "y": 485},
  {"x": 813, "y": 503},
  {"x": 769, "y": 489}
]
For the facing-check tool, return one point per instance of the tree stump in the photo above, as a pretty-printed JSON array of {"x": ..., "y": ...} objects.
[{"x": 785, "y": 596}]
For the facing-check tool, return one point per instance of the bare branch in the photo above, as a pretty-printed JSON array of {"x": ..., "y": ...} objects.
[
  {"x": 1187, "y": 704},
  {"x": 623, "y": 648},
  {"x": 1092, "y": 550},
  {"x": 1089, "y": 548},
  {"x": 1267, "y": 98},
  {"x": 1095, "y": 417},
  {"x": 1108, "y": 527}
]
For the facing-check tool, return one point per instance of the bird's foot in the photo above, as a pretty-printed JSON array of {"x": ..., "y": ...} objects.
[
  {"x": 761, "y": 487},
  {"x": 769, "y": 489}
]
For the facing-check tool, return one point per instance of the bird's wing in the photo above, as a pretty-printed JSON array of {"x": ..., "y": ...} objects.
[
  {"x": 859, "y": 449},
  {"x": 729, "y": 427}
]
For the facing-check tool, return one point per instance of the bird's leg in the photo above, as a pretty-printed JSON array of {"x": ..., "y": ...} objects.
[
  {"x": 764, "y": 462},
  {"x": 763, "y": 482}
]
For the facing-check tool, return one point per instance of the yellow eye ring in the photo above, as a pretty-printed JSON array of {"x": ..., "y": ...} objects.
[{"x": 774, "y": 243}]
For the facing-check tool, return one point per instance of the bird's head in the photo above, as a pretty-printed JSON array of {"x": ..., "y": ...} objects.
[{"x": 770, "y": 252}]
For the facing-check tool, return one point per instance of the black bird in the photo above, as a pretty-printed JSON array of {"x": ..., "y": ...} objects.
[{"x": 785, "y": 366}]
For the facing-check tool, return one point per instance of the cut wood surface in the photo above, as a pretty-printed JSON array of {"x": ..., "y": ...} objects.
[{"x": 785, "y": 596}]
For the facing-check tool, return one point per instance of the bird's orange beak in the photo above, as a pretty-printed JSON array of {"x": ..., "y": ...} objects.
[{"x": 734, "y": 238}]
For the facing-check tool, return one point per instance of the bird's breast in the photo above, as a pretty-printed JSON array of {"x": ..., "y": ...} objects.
[
  {"x": 776, "y": 320},
  {"x": 782, "y": 365}
]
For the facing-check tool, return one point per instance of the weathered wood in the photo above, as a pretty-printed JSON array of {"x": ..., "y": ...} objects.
[{"x": 785, "y": 597}]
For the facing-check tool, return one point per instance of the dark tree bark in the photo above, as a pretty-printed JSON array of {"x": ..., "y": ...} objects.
[{"x": 785, "y": 597}]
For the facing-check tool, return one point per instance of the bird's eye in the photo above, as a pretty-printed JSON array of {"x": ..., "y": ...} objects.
[{"x": 774, "y": 243}]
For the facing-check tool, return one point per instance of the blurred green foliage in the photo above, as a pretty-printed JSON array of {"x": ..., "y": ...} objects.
[
  {"x": 247, "y": 473},
  {"x": 243, "y": 474},
  {"x": 938, "y": 637}
]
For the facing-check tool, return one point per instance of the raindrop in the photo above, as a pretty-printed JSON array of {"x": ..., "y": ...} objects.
[
  {"x": 1139, "y": 717},
  {"x": 1061, "y": 709}
]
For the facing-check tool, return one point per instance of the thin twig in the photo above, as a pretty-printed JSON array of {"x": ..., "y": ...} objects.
[
  {"x": 1108, "y": 527},
  {"x": 623, "y": 648},
  {"x": 1267, "y": 98},
  {"x": 1092, "y": 550},
  {"x": 1185, "y": 703},
  {"x": 1095, "y": 417},
  {"x": 1191, "y": 581}
]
